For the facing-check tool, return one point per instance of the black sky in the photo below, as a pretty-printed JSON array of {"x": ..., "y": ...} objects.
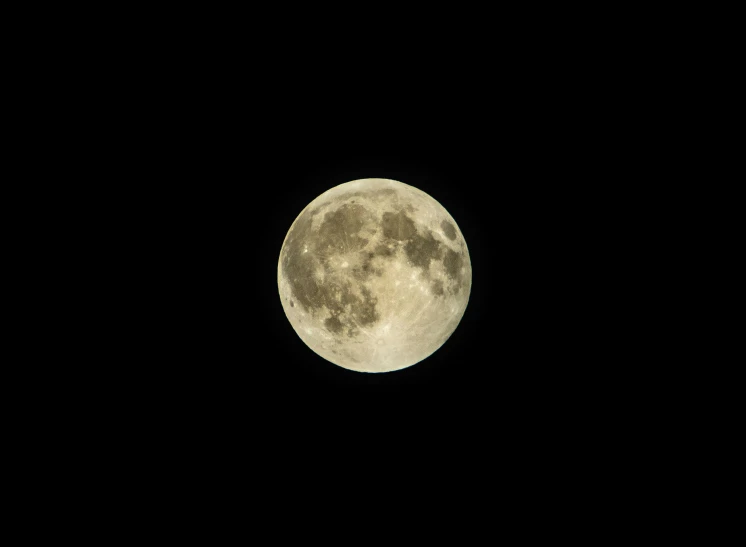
[{"x": 221, "y": 169}]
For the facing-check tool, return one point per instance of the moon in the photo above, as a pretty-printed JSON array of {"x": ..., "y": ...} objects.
[{"x": 374, "y": 275}]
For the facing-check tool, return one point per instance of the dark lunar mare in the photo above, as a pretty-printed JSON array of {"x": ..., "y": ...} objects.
[
  {"x": 397, "y": 226},
  {"x": 448, "y": 230},
  {"x": 422, "y": 249},
  {"x": 452, "y": 262},
  {"x": 339, "y": 232}
]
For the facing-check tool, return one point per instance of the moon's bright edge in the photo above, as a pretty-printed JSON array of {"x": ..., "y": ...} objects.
[{"x": 374, "y": 275}]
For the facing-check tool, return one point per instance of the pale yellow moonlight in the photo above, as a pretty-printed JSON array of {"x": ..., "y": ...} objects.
[{"x": 374, "y": 275}]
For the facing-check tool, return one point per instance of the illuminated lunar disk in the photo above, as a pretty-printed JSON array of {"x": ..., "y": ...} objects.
[{"x": 374, "y": 275}]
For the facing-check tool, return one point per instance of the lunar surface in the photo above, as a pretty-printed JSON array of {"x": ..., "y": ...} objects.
[{"x": 374, "y": 275}]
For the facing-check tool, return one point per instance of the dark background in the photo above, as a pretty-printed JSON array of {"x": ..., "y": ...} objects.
[
  {"x": 185, "y": 148},
  {"x": 188, "y": 154},
  {"x": 206, "y": 348},
  {"x": 218, "y": 150},
  {"x": 511, "y": 171}
]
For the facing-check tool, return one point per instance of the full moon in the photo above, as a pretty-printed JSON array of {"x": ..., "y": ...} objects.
[{"x": 374, "y": 275}]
